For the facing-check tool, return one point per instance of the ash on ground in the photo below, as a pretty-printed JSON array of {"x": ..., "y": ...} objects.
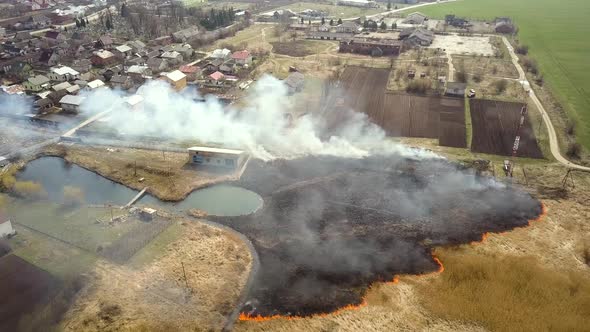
[{"x": 330, "y": 227}]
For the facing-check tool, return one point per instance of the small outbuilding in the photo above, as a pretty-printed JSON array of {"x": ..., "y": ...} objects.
[
  {"x": 456, "y": 89},
  {"x": 6, "y": 229},
  {"x": 217, "y": 157}
]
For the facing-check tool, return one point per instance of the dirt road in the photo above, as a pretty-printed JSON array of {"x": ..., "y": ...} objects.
[{"x": 553, "y": 143}]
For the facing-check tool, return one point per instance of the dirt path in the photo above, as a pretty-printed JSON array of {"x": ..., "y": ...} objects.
[{"x": 553, "y": 143}]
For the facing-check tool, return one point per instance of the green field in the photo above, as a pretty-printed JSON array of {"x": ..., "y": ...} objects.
[
  {"x": 556, "y": 33},
  {"x": 332, "y": 10}
]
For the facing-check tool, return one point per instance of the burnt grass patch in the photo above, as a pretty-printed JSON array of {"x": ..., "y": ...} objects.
[{"x": 330, "y": 227}]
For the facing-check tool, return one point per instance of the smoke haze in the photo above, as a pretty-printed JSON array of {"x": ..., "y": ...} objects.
[{"x": 260, "y": 127}]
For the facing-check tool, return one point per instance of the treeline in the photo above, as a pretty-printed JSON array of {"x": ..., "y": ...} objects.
[{"x": 218, "y": 18}]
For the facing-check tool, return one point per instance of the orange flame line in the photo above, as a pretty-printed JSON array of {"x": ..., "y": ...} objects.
[{"x": 395, "y": 280}]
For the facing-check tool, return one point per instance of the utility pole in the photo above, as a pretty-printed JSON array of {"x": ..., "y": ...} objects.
[{"x": 184, "y": 273}]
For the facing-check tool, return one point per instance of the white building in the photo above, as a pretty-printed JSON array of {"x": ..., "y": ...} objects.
[
  {"x": 71, "y": 103},
  {"x": 134, "y": 102},
  {"x": 62, "y": 74},
  {"x": 95, "y": 85},
  {"x": 225, "y": 158},
  {"x": 6, "y": 229},
  {"x": 222, "y": 54}
]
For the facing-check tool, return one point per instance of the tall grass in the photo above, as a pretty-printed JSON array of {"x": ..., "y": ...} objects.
[{"x": 507, "y": 293}]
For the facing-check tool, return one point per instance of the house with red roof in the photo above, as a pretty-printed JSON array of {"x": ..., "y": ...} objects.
[
  {"x": 191, "y": 72},
  {"x": 216, "y": 79},
  {"x": 242, "y": 57}
]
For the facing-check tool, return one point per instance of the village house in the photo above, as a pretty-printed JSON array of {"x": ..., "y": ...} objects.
[
  {"x": 80, "y": 37},
  {"x": 415, "y": 18},
  {"x": 358, "y": 3},
  {"x": 82, "y": 65},
  {"x": 176, "y": 78},
  {"x": 228, "y": 67},
  {"x": 504, "y": 25},
  {"x": 123, "y": 51},
  {"x": 55, "y": 37},
  {"x": 37, "y": 83},
  {"x": 56, "y": 96},
  {"x": 222, "y": 54},
  {"x": 103, "y": 58},
  {"x": 104, "y": 42},
  {"x": 213, "y": 66},
  {"x": 419, "y": 37},
  {"x": 216, "y": 79},
  {"x": 43, "y": 104},
  {"x": 63, "y": 73},
  {"x": 157, "y": 65},
  {"x": 49, "y": 58},
  {"x": 70, "y": 103},
  {"x": 136, "y": 45},
  {"x": 295, "y": 82},
  {"x": 349, "y": 27},
  {"x": 74, "y": 89},
  {"x": 173, "y": 57},
  {"x": 185, "y": 35},
  {"x": 242, "y": 58},
  {"x": 75, "y": 51},
  {"x": 184, "y": 49},
  {"x": 324, "y": 28},
  {"x": 138, "y": 73},
  {"x": 134, "y": 103},
  {"x": 95, "y": 85},
  {"x": 61, "y": 86},
  {"x": 192, "y": 72},
  {"x": 370, "y": 46},
  {"x": 122, "y": 82}
]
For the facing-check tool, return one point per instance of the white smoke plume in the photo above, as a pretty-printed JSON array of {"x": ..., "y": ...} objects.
[{"x": 261, "y": 127}]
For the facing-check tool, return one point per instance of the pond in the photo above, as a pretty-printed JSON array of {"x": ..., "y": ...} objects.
[{"x": 54, "y": 173}]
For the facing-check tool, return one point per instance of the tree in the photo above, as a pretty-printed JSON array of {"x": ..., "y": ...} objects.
[
  {"x": 366, "y": 24},
  {"x": 383, "y": 26},
  {"x": 323, "y": 20},
  {"x": 77, "y": 23},
  {"x": 339, "y": 21},
  {"x": 125, "y": 10},
  {"x": 389, "y": 5},
  {"x": 87, "y": 21},
  {"x": 302, "y": 21},
  {"x": 393, "y": 26},
  {"x": 83, "y": 23},
  {"x": 331, "y": 22},
  {"x": 66, "y": 29},
  {"x": 309, "y": 22}
]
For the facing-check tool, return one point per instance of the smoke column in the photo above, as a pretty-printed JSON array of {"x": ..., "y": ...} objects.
[{"x": 260, "y": 127}]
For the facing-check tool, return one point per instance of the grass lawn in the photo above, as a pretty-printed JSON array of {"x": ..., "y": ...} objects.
[
  {"x": 157, "y": 246},
  {"x": 332, "y": 10},
  {"x": 556, "y": 33}
]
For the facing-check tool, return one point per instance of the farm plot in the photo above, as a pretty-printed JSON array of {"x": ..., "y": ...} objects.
[
  {"x": 402, "y": 114},
  {"x": 495, "y": 126},
  {"x": 23, "y": 287}
]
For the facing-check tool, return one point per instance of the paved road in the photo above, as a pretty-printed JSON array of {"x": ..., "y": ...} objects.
[
  {"x": 553, "y": 143},
  {"x": 72, "y": 131}
]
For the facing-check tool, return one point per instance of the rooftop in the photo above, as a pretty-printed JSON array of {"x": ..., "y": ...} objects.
[
  {"x": 39, "y": 80},
  {"x": 123, "y": 48},
  {"x": 64, "y": 70},
  {"x": 241, "y": 55},
  {"x": 95, "y": 84},
  {"x": 215, "y": 150},
  {"x": 72, "y": 100},
  {"x": 133, "y": 100},
  {"x": 175, "y": 76}
]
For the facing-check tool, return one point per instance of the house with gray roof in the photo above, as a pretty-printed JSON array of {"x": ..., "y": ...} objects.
[{"x": 37, "y": 83}]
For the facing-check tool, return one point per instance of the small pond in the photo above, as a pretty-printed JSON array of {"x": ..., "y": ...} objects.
[{"x": 55, "y": 173}]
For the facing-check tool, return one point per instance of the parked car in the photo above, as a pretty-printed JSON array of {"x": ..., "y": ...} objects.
[{"x": 471, "y": 93}]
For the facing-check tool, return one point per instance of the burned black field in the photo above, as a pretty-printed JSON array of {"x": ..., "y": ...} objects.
[{"x": 330, "y": 227}]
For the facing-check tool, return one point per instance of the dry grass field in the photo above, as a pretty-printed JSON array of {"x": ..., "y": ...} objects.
[
  {"x": 529, "y": 279},
  {"x": 154, "y": 296}
]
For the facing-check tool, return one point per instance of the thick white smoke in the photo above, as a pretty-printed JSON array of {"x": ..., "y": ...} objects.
[{"x": 261, "y": 127}]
